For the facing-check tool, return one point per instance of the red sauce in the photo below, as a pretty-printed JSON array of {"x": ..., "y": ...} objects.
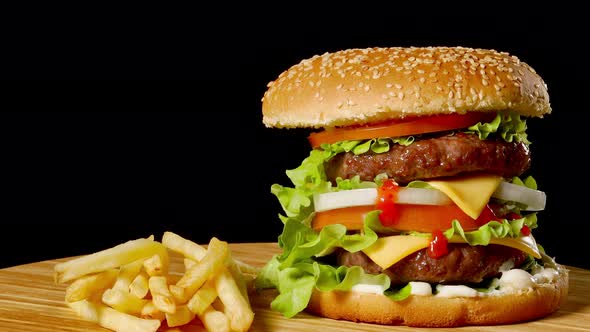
[
  {"x": 513, "y": 216},
  {"x": 486, "y": 215},
  {"x": 386, "y": 196},
  {"x": 439, "y": 245}
]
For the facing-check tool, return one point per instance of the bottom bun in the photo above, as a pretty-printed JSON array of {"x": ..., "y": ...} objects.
[{"x": 434, "y": 311}]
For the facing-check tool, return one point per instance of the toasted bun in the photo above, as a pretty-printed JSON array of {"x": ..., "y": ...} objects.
[
  {"x": 432, "y": 311},
  {"x": 359, "y": 86}
]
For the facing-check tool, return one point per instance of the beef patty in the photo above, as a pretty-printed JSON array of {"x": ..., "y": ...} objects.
[
  {"x": 463, "y": 264},
  {"x": 434, "y": 157}
]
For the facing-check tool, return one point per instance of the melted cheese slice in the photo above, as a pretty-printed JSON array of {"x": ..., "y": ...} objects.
[
  {"x": 389, "y": 250},
  {"x": 470, "y": 193}
]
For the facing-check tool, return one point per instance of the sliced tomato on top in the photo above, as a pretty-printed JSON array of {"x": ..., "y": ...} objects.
[
  {"x": 399, "y": 128},
  {"x": 410, "y": 217}
]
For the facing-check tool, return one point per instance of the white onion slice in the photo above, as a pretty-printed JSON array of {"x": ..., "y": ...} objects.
[
  {"x": 368, "y": 196},
  {"x": 533, "y": 199},
  {"x": 344, "y": 198},
  {"x": 422, "y": 196}
]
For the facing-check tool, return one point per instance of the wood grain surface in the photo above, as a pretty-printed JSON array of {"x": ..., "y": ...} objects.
[{"x": 31, "y": 301}]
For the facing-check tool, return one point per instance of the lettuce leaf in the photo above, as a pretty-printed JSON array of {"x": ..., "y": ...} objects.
[
  {"x": 508, "y": 125},
  {"x": 296, "y": 272},
  {"x": 301, "y": 266},
  {"x": 493, "y": 229}
]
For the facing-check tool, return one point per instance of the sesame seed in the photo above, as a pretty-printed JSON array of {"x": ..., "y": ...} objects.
[
  {"x": 484, "y": 82},
  {"x": 389, "y": 85},
  {"x": 398, "y": 86}
]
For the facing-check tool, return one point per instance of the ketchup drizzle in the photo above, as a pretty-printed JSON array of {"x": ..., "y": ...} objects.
[
  {"x": 439, "y": 245},
  {"x": 386, "y": 197}
]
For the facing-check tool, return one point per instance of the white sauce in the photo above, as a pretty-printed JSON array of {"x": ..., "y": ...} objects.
[
  {"x": 516, "y": 279},
  {"x": 511, "y": 280},
  {"x": 368, "y": 288},
  {"x": 545, "y": 275},
  {"x": 507, "y": 265},
  {"x": 455, "y": 291},
  {"x": 421, "y": 288}
]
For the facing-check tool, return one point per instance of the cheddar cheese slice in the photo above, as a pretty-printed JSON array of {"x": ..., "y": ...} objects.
[
  {"x": 470, "y": 193},
  {"x": 389, "y": 250}
]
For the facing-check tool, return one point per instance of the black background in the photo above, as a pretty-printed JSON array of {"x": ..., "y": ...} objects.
[{"x": 149, "y": 119}]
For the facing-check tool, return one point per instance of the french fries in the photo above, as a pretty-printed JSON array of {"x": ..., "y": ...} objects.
[
  {"x": 238, "y": 308},
  {"x": 129, "y": 287},
  {"x": 203, "y": 298},
  {"x": 87, "y": 286},
  {"x": 187, "y": 248},
  {"x": 108, "y": 259},
  {"x": 211, "y": 264},
  {"x": 139, "y": 286},
  {"x": 123, "y": 301},
  {"x": 161, "y": 295},
  {"x": 112, "y": 319},
  {"x": 127, "y": 274}
]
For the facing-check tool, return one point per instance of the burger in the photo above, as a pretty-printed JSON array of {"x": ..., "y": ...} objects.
[{"x": 416, "y": 205}]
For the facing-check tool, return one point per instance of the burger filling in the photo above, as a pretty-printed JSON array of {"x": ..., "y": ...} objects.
[
  {"x": 463, "y": 264},
  {"x": 442, "y": 205},
  {"x": 429, "y": 158}
]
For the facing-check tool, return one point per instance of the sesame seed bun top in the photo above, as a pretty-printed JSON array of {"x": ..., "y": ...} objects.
[{"x": 359, "y": 86}]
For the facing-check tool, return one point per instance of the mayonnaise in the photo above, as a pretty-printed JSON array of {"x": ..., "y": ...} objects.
[
  {"x": 511, "y": 280},
  {"x": 545, "y": 275},
  {"x": 368, "y": 288},
  {"x": 420, "y": 288},
  {"x": 455, "y": 291},
  {"x": 516, "y": 279}
]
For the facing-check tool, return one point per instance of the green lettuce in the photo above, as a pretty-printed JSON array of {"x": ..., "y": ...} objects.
[
  {"x": 301, "y": 267},
  {"x": 296, "y": 272},
  {"x": 310, "y": 176},
  {"x": 508, "y": 125}
]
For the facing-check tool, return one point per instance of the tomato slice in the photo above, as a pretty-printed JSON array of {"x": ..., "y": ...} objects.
[
  {"x": 411, "y": 217},
  {"x": 351, "y": 217},
  {"x": 397, "y": 128}
]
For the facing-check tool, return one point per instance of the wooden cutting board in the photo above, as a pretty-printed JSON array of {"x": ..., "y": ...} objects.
[{"x": 30, "y": 301}]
